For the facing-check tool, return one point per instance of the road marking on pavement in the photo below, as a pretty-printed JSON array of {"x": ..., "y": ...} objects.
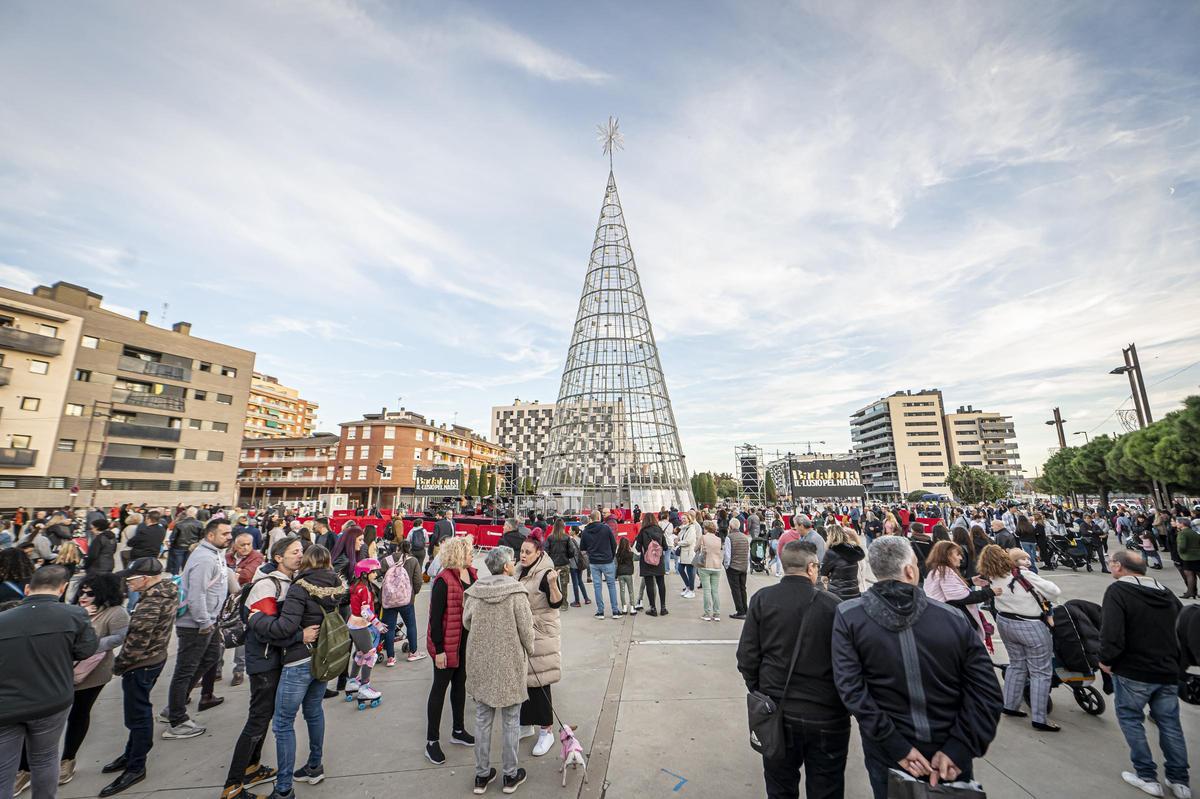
[
  {"x": 688, "y": 641},
  {"x": 606, "y": 726},
  {"x": 682, "y": 780}
]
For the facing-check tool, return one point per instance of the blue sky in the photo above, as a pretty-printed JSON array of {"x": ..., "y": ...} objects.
[{"x": 828, "y": 201}]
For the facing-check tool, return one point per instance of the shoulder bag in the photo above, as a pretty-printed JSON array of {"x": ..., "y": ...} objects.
[{"x": 767, "y": 734}]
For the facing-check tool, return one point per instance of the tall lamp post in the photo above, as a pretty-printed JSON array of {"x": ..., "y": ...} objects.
[
  {"x": 1086, "y": 439},
  {"x": 1057, "y": 423},
  {"x": 1141, "y": 405}
]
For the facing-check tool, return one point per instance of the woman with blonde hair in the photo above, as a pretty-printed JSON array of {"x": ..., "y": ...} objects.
[
  {"x": 1022, "y": 606},
  {"x": 446, "y": 642},
  {"x": 843, "y": 558},
  {"x": 132, "y": 522}
]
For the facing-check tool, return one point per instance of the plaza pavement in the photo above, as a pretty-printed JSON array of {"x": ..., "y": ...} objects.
[{"x": 661, "y": 713}]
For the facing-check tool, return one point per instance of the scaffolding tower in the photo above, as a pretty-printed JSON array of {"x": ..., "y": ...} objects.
[{"x": 750, "y": 475}]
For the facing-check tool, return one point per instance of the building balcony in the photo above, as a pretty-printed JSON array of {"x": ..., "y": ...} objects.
[
  {"x": 143, "y": 399},
  {"x": 247, "y": 479},
  {"x": 170, "y": 371},
  {"x": 115, "y": 463},
  {"x": 12, "y": 457},
  {"x": 143, "y": 431},
  {"x": 24, "y": 341},
  {"x": 5, "y": 375},
  {"x": 289, "y": 459}
]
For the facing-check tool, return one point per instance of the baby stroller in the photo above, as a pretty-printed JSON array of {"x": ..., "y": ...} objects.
[
  {"x": 1068, "y": 551},
  {"x": 1076, "y": 634},
  {"x": 760, "y": 554}
]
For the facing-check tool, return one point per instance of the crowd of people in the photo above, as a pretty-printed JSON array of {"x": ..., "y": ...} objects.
[{"x": 880, "y": 616}]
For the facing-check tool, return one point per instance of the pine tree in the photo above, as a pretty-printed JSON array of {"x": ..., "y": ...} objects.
[
  {"x": 771, "y": 490},
  {"x": 473, "y": 484}
]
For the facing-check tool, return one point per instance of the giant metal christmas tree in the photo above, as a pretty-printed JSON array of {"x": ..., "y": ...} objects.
[{"x": 614, "y": 437}]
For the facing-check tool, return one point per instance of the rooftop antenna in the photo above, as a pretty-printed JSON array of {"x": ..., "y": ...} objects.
[{"x": 611, "y": 138}]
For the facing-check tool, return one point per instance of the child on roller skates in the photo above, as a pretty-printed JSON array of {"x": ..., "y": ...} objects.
[{"x": 365, "y": 629}]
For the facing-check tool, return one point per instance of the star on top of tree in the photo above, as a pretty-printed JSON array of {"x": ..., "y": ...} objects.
[{"x": 611, "y": 138}]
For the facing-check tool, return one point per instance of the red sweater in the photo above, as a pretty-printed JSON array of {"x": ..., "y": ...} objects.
[{"x": 362, "y": 602}]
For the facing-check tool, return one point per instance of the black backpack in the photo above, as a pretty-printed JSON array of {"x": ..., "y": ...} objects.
[{"x": 232, "y": 621}]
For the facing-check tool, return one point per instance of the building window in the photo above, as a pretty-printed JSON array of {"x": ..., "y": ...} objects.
[
  {"x": 194, "y": 424},
  {"x": 347, "y": 472},
  {"x": 205, "y": 367},
  {"x": 39, "y": 367},
  {"x": 30, "y": 403},
  {"x": 350, "y": 453},
  {"x": 221, "y": 427},
  {"x": 209, "y": 486},
  {"x": 389, "y": 453},
  {"x": 362, "y": 472},
  {"x": 200, "y": 395},
  {"x": 74, "y": 409},
  {"x": 189, "y": 454},
  {"x": 416, "y": 453},
  {"x": 57, "y": 482},
  {"x": 90, "y": 342},
  {"x": 216, "y": 455},
  {"x": 20, "y": 442},
  {"x": 352, "y": 433},
  {"x": 389, "y": 432},
  {"x": 228, "y": 371},
  {"x": 83, "y": 375},
  {"x": 66, "y": 445},
  {"x": 225, "y": 399},
  {"x": 420, "y": 435},
  {"x": 48, "y": 330}
]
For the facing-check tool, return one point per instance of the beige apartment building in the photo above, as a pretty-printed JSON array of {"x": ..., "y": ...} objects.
[
  {"x": 985, "y": 441},
  {"x": 277, "y": 411},
  {"x": 399, "y": 441},
  {"x": 114, "y": 408},
  {"x": 900, "y": 441}
]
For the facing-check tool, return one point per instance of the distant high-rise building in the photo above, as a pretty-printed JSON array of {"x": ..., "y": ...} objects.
[
  {"x": 907, "y": 442},
  {"x": 277, "y": 411},
  {"x": 523, "y": 428},
  {"x": 118, "y": 408},
  {"x": 985, "y": 441},
  {"x": 901, "y": 444}
]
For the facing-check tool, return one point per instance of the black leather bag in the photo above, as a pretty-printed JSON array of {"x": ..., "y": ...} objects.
[
  {"x": 902, "y": 786},
  {"x": 768, "y": 736}
]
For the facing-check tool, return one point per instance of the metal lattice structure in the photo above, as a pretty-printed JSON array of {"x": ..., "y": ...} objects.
[
  {"x": 614, "y": 438},
  {"x": 750, "y": 475}
]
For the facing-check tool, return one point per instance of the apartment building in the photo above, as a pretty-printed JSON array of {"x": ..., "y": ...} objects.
[
  {"x": 523, "y": 428},
  {"x": 401, "y": 442},
  {"x": 985, "y": 441},
  {"x": 900, "y": 441},
  {"x": 277, "y": 411},
  {"x": 94, "y": 404}
]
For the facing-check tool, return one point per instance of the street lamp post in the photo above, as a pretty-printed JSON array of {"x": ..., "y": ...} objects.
[
  {"x": 1141, "y": 405},
  {"x": 1057, "y": 422},
  {"x": 1086, "y": 439}
]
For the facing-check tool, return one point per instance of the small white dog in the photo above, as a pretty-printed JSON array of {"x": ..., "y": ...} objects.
[{"x": 572, "y": 753}]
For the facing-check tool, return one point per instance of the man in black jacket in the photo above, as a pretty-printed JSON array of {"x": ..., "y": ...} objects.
[
  {"x": 792, "y": 612},
  {"x": 444, "y": 528},
  {"x": 600, "y": 543},
  {"x": 40, "y": 640},
  {"x": 1139, "y": 647},
  {"x": 187, "y": 533},
  {"x": 146, "y": 541},
  {"x": 914, "y": 674}
]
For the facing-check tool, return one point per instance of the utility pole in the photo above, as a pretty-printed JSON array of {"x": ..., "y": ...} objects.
[
  {"x": 103, "y": 447},
  {"x": 1141, "y": 384},
  {"x": 1141, "y": 405}
]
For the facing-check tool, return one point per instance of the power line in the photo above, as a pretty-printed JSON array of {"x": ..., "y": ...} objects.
[{"x": 1130, "y": 397}]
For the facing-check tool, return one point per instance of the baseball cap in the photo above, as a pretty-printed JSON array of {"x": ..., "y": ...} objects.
[{"x": 142, "y": 567}]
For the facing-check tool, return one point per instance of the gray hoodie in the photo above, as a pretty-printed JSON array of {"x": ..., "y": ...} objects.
[
  {"x": 205, "y": 579},
  {"x": 498, "y": 616}
]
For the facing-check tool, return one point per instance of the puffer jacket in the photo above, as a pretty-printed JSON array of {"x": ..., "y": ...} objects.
[
  {"x": 648, "y": 534},
  {"x": 498, "y": 617},
  {"x": 841, "y": 566},
  {"x": 102, "y": 553},
  {"x": 545, "y": 662},
  {"x": 150, "y": 628},
  {"x": 311, "y": 594},
  {"x": 267, "y": 595},
  {"x": 558, "y": 547}
]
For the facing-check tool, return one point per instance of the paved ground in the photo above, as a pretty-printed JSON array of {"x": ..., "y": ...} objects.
[{"x": 661, "y": 710}]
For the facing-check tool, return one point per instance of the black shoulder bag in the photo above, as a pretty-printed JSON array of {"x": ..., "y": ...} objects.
[{"x": 767, "y": 734}]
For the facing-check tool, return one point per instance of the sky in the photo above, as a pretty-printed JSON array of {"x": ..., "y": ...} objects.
[{"x": 393, "y": 203}]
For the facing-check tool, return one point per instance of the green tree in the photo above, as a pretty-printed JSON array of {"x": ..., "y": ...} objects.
[
  {"x": 1059, "y": 477},
  {"x": 1175, "y": 458},
  {"x": 1089, "y": 470},
  {"x": 1126, "y": 472},
  {"x": 708, "y": 488},
  {"x": 771, "y": 491},
  {"x": 473, "y": 483},
  {"x": 972, "y": 485},
  {"x": 918, "y": 495},
  {"x": 727, "y": 487}
]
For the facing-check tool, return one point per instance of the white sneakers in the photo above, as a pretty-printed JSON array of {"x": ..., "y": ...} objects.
[
  {"x": 707, "y": 618},
  {"x": 544, "y": 743},
  {"x": 1145, "y": 786},
  {"x": 1179, "y": 789}
]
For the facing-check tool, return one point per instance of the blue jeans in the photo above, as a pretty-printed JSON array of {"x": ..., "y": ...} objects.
[
  {"x": 390, "y": 615},
  {"x": 1132, "y": 698},
  {"x": 579, "y": 585},
  {"x": 176, "y": 558},
  {"x": 687, "y": 573},
  {"x": 297, "y": 690},
  {"x": 1030, "y": 548},
  {"x": 609, "y": 572}
]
